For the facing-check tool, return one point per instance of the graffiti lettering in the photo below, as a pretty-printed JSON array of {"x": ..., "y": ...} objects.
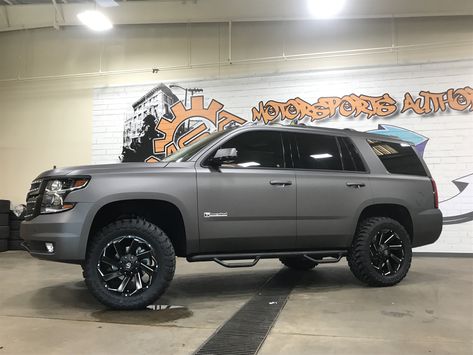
[
  {"x": 428, "y": 102},
  {"x": 206, "y": 120},
  {"x": 187, "y": 125},
  {"x": 325, "y": 107}
]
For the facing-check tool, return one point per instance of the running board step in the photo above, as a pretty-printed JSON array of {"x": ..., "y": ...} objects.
[
  {"x": 325, "y": 261},
  {"x": 316, "y": 256},
  {"x": 234, "y": 265}
]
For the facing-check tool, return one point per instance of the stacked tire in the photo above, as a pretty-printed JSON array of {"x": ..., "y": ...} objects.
[
  {"x": 4, "y": 224},
  {"x": 14, "y": 242}
]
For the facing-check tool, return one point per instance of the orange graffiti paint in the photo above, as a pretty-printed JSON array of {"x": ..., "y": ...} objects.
[
  {"x": 325, "y": 107},
  {"x": 455, "y": 99}
]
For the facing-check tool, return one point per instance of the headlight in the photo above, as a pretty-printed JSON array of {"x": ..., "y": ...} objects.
[{"x": 56, "y": 191}]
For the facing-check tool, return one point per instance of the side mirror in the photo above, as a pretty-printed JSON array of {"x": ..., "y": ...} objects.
[{"x": 224, "y": 156}]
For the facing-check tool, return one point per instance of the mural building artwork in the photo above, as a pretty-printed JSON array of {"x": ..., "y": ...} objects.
[{"x": 163, "y": 118}]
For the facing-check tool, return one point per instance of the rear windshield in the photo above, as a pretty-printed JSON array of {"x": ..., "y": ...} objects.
[{"x": 398, "y": 158}]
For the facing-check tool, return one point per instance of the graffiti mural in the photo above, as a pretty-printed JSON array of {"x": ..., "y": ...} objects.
[
  {"x": 325, "y": 107},
  {"x": 200, "y": 121},
  {"x": 456, "y": 209},
  {"x": 369, "y": 106},
  {"x": 415, "y": 138},
  {"x": 161, "y": 124},
  {"x": 428, "y": 102}
]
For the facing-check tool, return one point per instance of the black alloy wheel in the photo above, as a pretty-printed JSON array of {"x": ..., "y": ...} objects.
[
  {"x": 387, "y": 252},
  {"x": 381, "y": 252},
  {"x": 127, "y": 265}
]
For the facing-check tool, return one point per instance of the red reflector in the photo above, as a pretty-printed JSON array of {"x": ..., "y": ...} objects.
[{"x": 436, "y": 195}]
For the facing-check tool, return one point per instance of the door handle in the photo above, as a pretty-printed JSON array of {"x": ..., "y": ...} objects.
[
  {"x": 280, "y": 183},
  {"x": 356, "y": 185}
]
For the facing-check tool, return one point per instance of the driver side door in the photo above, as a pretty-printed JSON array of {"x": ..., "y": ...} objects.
[{"x": 250, "y": 204}]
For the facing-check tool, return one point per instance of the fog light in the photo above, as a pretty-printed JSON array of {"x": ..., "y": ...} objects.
[{"x": 49, "y": 247}]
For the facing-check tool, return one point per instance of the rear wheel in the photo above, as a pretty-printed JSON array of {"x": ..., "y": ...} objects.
[
  {"x": 381, "y": 252},
  {"x": 298, "y": 262},
  {"x": 129, "y": 264}
]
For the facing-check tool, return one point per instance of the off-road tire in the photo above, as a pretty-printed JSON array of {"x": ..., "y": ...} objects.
[
  {"x": 15, "y": 234},
  {"x": 162, "y": 277},
  {"x": 359, "y": 258},
  {"x": 3, "y": 245},
  {"x": 15, "y": 244},
  {"x": 4, "y": 232},
  {"x": 298, "y": 262},
  {"x": 4, "y": 219},
  {"x": 15, "y": 225},
  {"x": 4, "y": 206}
]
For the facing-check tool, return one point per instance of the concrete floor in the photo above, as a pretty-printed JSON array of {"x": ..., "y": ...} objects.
[{"x": 46, "y": 309}]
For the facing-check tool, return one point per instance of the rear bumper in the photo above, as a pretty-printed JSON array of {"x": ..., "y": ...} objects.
[
  {"x": 427, "y": 227},
  {"x": 64, "y": 230}
]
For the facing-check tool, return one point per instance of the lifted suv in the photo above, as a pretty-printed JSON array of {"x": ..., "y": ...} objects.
[{"x": 304, "y": 195}]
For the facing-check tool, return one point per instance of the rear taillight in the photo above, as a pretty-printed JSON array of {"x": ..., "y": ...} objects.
[{"x": 436, "y": 195}]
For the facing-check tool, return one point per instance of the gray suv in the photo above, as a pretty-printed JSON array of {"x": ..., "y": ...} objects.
[{"x": 304, "y": 195}]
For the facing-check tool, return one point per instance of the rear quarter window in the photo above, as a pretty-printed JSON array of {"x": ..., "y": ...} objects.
[{"x": 398, "y": 158}]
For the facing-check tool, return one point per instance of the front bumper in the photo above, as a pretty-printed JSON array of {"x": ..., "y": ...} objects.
[
  {"x": 427, "y": 227},
  {"x": 66, "y": 230}
]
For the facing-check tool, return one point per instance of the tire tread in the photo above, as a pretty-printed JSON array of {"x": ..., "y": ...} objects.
[
  {"x": 357, "y": 255},
  {"x": 166, "y": 248}
]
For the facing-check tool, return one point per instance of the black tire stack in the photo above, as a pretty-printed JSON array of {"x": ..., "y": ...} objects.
[
  {"x": 14, "y": 242},
  {"x": 4, "y": 224}
]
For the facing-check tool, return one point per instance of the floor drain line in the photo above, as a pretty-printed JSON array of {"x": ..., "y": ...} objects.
[{"x": 245, "y": 332}]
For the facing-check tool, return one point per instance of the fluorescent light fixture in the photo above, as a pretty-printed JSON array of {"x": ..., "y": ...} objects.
[
  {"x": 95, "y": 20},
  {"x": 106, "y": 3},
  {"x": 321, "y": 156},
  {"x": 325, "y": 8}
]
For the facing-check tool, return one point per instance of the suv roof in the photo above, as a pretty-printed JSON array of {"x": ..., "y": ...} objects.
[{"x": 324, "y": 130}]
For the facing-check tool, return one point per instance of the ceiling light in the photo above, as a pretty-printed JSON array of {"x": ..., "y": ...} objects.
[
  {"x": 95, "y": 20},
  {"x": 325, "y": 8}
]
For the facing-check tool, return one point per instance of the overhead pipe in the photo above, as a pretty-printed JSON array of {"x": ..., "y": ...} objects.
[{"x": 261, "y": 60}]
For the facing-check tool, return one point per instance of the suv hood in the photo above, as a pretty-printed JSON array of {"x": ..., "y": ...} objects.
[{"x": 101, "y": 169}]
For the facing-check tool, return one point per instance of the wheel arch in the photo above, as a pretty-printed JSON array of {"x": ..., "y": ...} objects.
[
  {"x": 395, "y": 211},
  {"x": 166, "y": 215}
]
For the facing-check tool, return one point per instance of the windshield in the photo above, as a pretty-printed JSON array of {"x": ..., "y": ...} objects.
[{"x": 186, "y": 153}]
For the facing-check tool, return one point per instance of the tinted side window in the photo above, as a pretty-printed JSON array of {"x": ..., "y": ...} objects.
[
  {"x": 398, "y": 158},
  {"x": 261, "y": 149},
  {"x": 350, "y": 156},
  {"x": 317, "y": 151}
]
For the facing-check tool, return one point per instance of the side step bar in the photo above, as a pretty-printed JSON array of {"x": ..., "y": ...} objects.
[
  {"x": 316, "y": 256},
  {"x": 235, "y": 265}
]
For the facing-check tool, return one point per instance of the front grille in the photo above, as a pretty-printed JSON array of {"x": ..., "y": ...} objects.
[{"x": 33, "y": 199}]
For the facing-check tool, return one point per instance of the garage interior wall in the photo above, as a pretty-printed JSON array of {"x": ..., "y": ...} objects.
[{"x": 48, "y": 76}]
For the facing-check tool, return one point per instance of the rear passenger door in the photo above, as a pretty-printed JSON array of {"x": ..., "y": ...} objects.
[{"x": 332, "y": 184}]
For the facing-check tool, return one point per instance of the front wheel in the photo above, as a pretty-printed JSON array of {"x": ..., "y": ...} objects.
[
  {"x": 381, "y": 252},
  {"x": 129, "y": 264}
]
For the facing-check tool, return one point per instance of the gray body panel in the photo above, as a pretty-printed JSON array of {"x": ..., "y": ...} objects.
[
  {"x": 258, "y": 215},
  {"x": 326, "y": 207},
  {"x": 237, "y": 209}
]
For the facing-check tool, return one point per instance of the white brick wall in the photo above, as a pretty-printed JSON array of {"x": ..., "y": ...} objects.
[{"x": 448, "y": 152}]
